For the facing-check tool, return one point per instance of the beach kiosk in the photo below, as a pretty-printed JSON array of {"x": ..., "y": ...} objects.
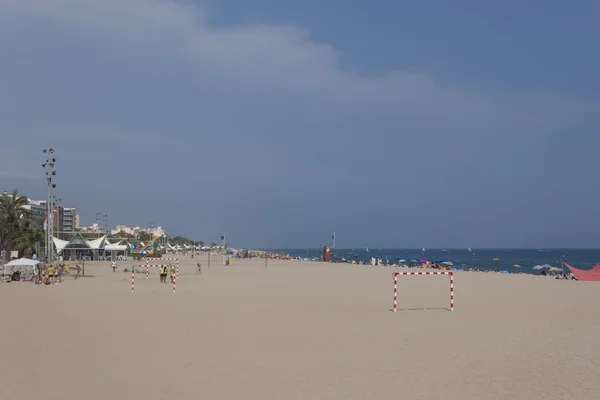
[{"x": 326, "y": 253}]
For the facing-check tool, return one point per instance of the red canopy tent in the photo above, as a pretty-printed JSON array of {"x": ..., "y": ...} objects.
[{"x": 586, "y": 274}]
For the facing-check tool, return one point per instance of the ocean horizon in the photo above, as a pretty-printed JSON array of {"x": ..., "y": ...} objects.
[{"x": 495, "y": 259}]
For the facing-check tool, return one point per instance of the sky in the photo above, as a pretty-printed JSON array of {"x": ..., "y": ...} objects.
[{"x": 396, "y": 124}]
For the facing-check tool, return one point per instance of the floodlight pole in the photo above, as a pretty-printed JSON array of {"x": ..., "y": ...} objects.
[{"x": 50, "y": 172}]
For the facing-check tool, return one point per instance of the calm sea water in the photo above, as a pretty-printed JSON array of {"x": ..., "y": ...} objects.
[{"x": 462, "y": 258}]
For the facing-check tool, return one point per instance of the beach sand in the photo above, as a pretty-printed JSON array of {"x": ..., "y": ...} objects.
[{"x": 299, "y": 331}]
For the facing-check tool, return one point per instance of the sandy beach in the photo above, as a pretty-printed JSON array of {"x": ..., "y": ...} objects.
[{"x": 299, "y": 330}]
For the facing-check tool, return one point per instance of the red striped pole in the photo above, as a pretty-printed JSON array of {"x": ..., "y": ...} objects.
[
  {"x": 174, "y": 280},
  {"x": 132, "y": 280},
  {"x": 395, "y": 290},
  {"x": 451, "y": 291},
  {"x": 177, "y": 270},
  {"x": 147, "y": 272}
]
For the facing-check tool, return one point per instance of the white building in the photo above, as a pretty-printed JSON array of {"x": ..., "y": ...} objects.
[
  {"x": 70, "y": 220},
  {"x": 95, "y": 228},
  {"x": 37, "y": 210},
  {"x": 130, "y": 230}
]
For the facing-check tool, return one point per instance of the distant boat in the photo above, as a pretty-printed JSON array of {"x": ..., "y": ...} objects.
[
  {"x": 423, "y": 249},
  {"x": 470, "y": 251},
  {"x": 367, "y": 249}
]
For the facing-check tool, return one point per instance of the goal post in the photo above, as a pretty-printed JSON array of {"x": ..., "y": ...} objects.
[
  {"x": 449, "y": 273},
  {"x": 148, "y": 266},
  {"x": 165, "y": 259}
]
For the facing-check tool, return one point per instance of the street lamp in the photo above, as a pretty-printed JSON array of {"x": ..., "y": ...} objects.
[{"x": 50, "y": 173}]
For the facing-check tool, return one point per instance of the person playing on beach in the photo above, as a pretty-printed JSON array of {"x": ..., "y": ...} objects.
[
  {"x": 78, "y": 269},
  {"x": 172, "y": 273},
  {"x": 51, "y": 273},
  {"x": 198, "y": 269},
  {"x": 163, "y": 274},
  {"x": 114, "y": 266}
]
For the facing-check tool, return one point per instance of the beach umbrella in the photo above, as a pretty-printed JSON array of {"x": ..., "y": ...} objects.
[
  {"x": 401, "y": 260},
  {"x": 539, "y": 267},
  {"x": 516, "y": 266},
  {"x": 448, "y": 263}
]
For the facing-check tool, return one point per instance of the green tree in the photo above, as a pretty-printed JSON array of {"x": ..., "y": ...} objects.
[
  {"x": 12, "y": 208},
  {"x": 144, "y": 236},
  {"x": 26, "y": 236}
]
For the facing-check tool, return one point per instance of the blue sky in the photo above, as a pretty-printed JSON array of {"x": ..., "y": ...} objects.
[{"x": 393, "y": 123}]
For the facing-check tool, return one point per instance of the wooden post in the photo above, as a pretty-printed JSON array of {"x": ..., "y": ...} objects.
[
  {"x": 208, "y": 260},
  {"x": 83, "y": 267}
]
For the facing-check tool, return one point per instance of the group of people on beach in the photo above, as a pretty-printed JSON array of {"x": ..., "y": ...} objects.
[
  {"x": 50, "y": 274},
  {"x": 165, "y": 270}
]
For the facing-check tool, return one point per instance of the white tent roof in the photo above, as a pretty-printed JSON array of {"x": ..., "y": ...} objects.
[
  {"x": 115, "y": 247},
  {"x": 96, "y": 243},
  {"x": 23, "y": 261},
  {"x": 60, "y": 244}
]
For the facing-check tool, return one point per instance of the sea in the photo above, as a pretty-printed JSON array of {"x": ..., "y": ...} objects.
[{"x": 484, "y": 259}]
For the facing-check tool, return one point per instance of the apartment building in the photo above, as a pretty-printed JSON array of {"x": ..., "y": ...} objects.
[{"x": 70, "y": 220}]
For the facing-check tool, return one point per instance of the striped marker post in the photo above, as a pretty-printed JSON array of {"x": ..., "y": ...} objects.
[
  {"x": 395, "y": 291},
  {"x": 451, "y": 291},
  {"x": 132, "y": 280},
  {"x": 449, "y": 273}
]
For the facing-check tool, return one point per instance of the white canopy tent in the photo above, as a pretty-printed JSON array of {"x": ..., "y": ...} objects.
[
  {"x": 115, "y": 248},
  {"x": 22, "y": 262},
  {"x": 25, "y": 265}
]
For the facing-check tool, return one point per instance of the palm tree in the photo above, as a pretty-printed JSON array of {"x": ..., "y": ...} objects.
[
  {"x": 12, "y": 208},
  {"x": 27, "y": 235}
]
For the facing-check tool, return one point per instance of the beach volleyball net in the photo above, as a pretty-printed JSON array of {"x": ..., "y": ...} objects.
[{"x": 450, "y": 276}]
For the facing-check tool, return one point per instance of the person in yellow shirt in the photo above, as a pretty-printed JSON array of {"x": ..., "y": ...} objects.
[
  {"x": 163, "y": 273},
  {"x": 51, "y": 272},
  {"x": 172, "y": 273}
]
